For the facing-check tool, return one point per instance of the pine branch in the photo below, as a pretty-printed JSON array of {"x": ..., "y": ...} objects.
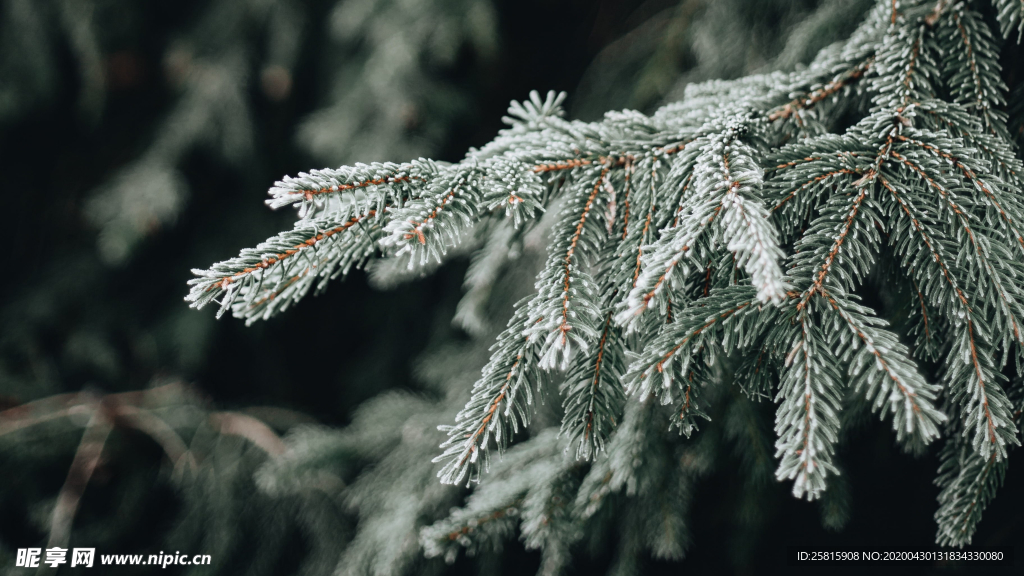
[
  {"x": 424, "y": 227},
  {"x": 634, "y": 444},
  {"x": 894, "y": 385},
  {"x": 500, "y": 402},
  {"x": 807, "y": 422},
  {"x": 736, "y": 227},
  {"x": 533, "y": 476},
  {"x": 1011, "y": 15},
  {"x": 729, "y": 164},
  {"x": 721, "y": 196},
  {"x": 905, "y": 64},
  {"x": 971, "y": 67},
  {"x": 970, "y": 371},
  {"x": 449, "y": 206},
  {"x": 266, "y": 280},
  {"x": 563, "y": 310},
  {"x": 990, "y": 265},
  {"x": 816, "y": 265},
  {"x": 726, "y": 319},
  {"x": 1004, "y": 203},
  {"x": 926, "y": 325},
  {"x": 593, "y": 393},
  {"x": 756, "y": 375},
  {"x": 969, "y": 482},
  {"x": 802, "y": 108},
  {"x": 656, "y": 267},
  {"x": 315, "y": 191},
  {"x": 805, "y": 174}
]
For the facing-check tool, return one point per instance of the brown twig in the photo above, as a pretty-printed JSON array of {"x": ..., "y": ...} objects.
[
  {"x": 87, "y": 457},
  {"x": 253, "y": 430}
]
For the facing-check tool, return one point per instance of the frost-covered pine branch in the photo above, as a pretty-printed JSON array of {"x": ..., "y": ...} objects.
[{"x": 739, "y": 226}]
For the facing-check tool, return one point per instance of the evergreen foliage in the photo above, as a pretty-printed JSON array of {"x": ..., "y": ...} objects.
[
  {"x": 830, "y": 243},
  {"x": 125, "y": 115},
  {"x": 726, "y": 239},
  {"x": 362, "y": 115}
]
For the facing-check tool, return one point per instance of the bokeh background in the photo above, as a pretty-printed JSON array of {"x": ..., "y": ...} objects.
[{"x": 137, "y": 141}]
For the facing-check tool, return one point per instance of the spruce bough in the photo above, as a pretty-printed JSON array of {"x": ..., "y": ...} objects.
[{"x": 734, "y": 227}]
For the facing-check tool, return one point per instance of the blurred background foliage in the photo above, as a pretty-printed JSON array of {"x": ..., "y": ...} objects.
[{"x": 137, "y": 140}]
